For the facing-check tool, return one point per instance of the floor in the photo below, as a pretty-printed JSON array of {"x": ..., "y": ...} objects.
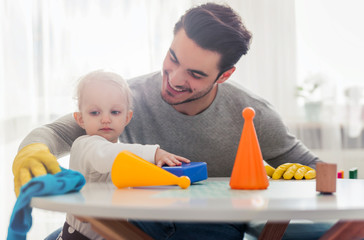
[{"x": 44, "y": 222}]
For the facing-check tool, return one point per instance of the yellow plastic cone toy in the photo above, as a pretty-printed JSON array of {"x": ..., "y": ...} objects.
[
  {"x": 249, "y": 171},
  {"x": 129, "y": 170}
]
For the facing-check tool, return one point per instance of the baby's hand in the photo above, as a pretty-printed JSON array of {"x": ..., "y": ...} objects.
[{"x": 163, "y": 157}]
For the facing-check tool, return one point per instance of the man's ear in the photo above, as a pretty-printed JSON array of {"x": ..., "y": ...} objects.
[
  {"x": 129, "y": 116},
  {"x": 225, "y": 75},
  {"x": 78, "y": 117}
]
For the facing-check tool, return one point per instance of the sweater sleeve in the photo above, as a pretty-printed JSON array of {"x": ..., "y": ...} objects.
[
  {"x": 58, "y": 136},
  {"x": 96, "y": 154},
  {"x": 278, "y": 145}
]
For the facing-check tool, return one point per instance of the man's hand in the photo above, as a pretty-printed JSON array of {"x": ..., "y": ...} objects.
[
  {"x": 31, "y": 161},
  {"x": 291, "y": 170},
  {"x": 163, "y": 157}
]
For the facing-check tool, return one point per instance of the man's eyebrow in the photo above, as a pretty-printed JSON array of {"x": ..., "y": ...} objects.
[{"x": 173, "y": 54}]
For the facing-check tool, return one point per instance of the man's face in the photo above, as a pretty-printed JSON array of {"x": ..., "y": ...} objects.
[{"x": 189, "y": 74}]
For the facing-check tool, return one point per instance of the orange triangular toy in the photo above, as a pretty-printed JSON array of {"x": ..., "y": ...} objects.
[
  {"x": 248, "y": 171},
  {"x": 130, "y": 170}
]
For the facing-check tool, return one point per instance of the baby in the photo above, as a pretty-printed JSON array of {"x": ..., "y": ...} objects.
[{"x": 104, "y": 103}]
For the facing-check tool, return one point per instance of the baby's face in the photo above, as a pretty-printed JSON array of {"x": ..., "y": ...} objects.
[{"x": 104, "y": 110}]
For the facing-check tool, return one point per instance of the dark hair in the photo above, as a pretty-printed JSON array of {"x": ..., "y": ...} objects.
[{"x": 217, "y": 28}]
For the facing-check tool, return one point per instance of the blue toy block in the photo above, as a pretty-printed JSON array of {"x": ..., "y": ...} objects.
[{"x": 196, "y": 171}]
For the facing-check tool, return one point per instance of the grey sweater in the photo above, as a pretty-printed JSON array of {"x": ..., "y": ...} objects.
[{"x": 211, "y": 136}]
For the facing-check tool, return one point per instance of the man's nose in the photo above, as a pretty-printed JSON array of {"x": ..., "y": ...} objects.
[{"x": 177, "y": 78}]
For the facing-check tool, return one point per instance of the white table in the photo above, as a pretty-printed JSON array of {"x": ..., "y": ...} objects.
[{"x": 213, "y": 200}]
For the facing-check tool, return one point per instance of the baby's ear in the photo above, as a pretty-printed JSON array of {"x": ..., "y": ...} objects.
[
  {"x": 129, "y": 117},
  {"x": 78, "y": 117}
]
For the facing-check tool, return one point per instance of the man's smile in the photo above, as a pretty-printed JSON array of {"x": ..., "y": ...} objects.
[{"x": 175, "y": 90}]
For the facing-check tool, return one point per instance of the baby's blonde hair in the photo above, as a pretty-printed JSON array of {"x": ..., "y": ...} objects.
[{"x": 106, "y": 76}]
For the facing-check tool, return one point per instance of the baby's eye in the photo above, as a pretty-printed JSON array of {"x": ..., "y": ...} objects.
[
  {"x": 94, "y": 113},
  {"x": 115, "y": 112}
]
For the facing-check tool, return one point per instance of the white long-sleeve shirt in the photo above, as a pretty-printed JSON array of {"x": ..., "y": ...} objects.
[{"x": 93, "y": 156}]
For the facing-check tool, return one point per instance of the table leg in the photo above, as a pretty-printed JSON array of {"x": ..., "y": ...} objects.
[
  {"x": 273, "y": 230},
  {"x": 116, "y": 229},
  {"x": 345, "y": 230}
]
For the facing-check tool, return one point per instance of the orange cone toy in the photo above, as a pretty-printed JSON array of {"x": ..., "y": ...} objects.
[
  {"x": 249, "y": 172},
  {"x": 129, "y": 170}
]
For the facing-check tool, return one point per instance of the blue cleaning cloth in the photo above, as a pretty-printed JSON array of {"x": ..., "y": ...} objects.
[{"x": 59, "y": 183}]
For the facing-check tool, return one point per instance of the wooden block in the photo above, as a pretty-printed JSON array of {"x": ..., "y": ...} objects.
[
  {"x": 326, "y": 177},
  {"x": 353, "y": 173}
]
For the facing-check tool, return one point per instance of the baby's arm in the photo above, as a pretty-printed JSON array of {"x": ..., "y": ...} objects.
[
  {"x": 96, "y": 154},
  {"x": 165, "y": 158}
]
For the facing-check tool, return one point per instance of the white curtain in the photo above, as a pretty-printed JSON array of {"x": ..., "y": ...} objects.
[
  {"x": 269, "y": 68},
  {"x": 47, "y": 45},
  {"x": 330, "y": 48}
]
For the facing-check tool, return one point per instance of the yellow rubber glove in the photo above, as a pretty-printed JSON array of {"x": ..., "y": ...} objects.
[
  {"x": 31, "y": 161},
  {"x": 291, "y": 170},
  {"x": 270, "y": 170}
]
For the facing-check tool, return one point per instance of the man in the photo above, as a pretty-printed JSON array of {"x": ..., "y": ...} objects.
[{"x": 188, "y": 109}]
